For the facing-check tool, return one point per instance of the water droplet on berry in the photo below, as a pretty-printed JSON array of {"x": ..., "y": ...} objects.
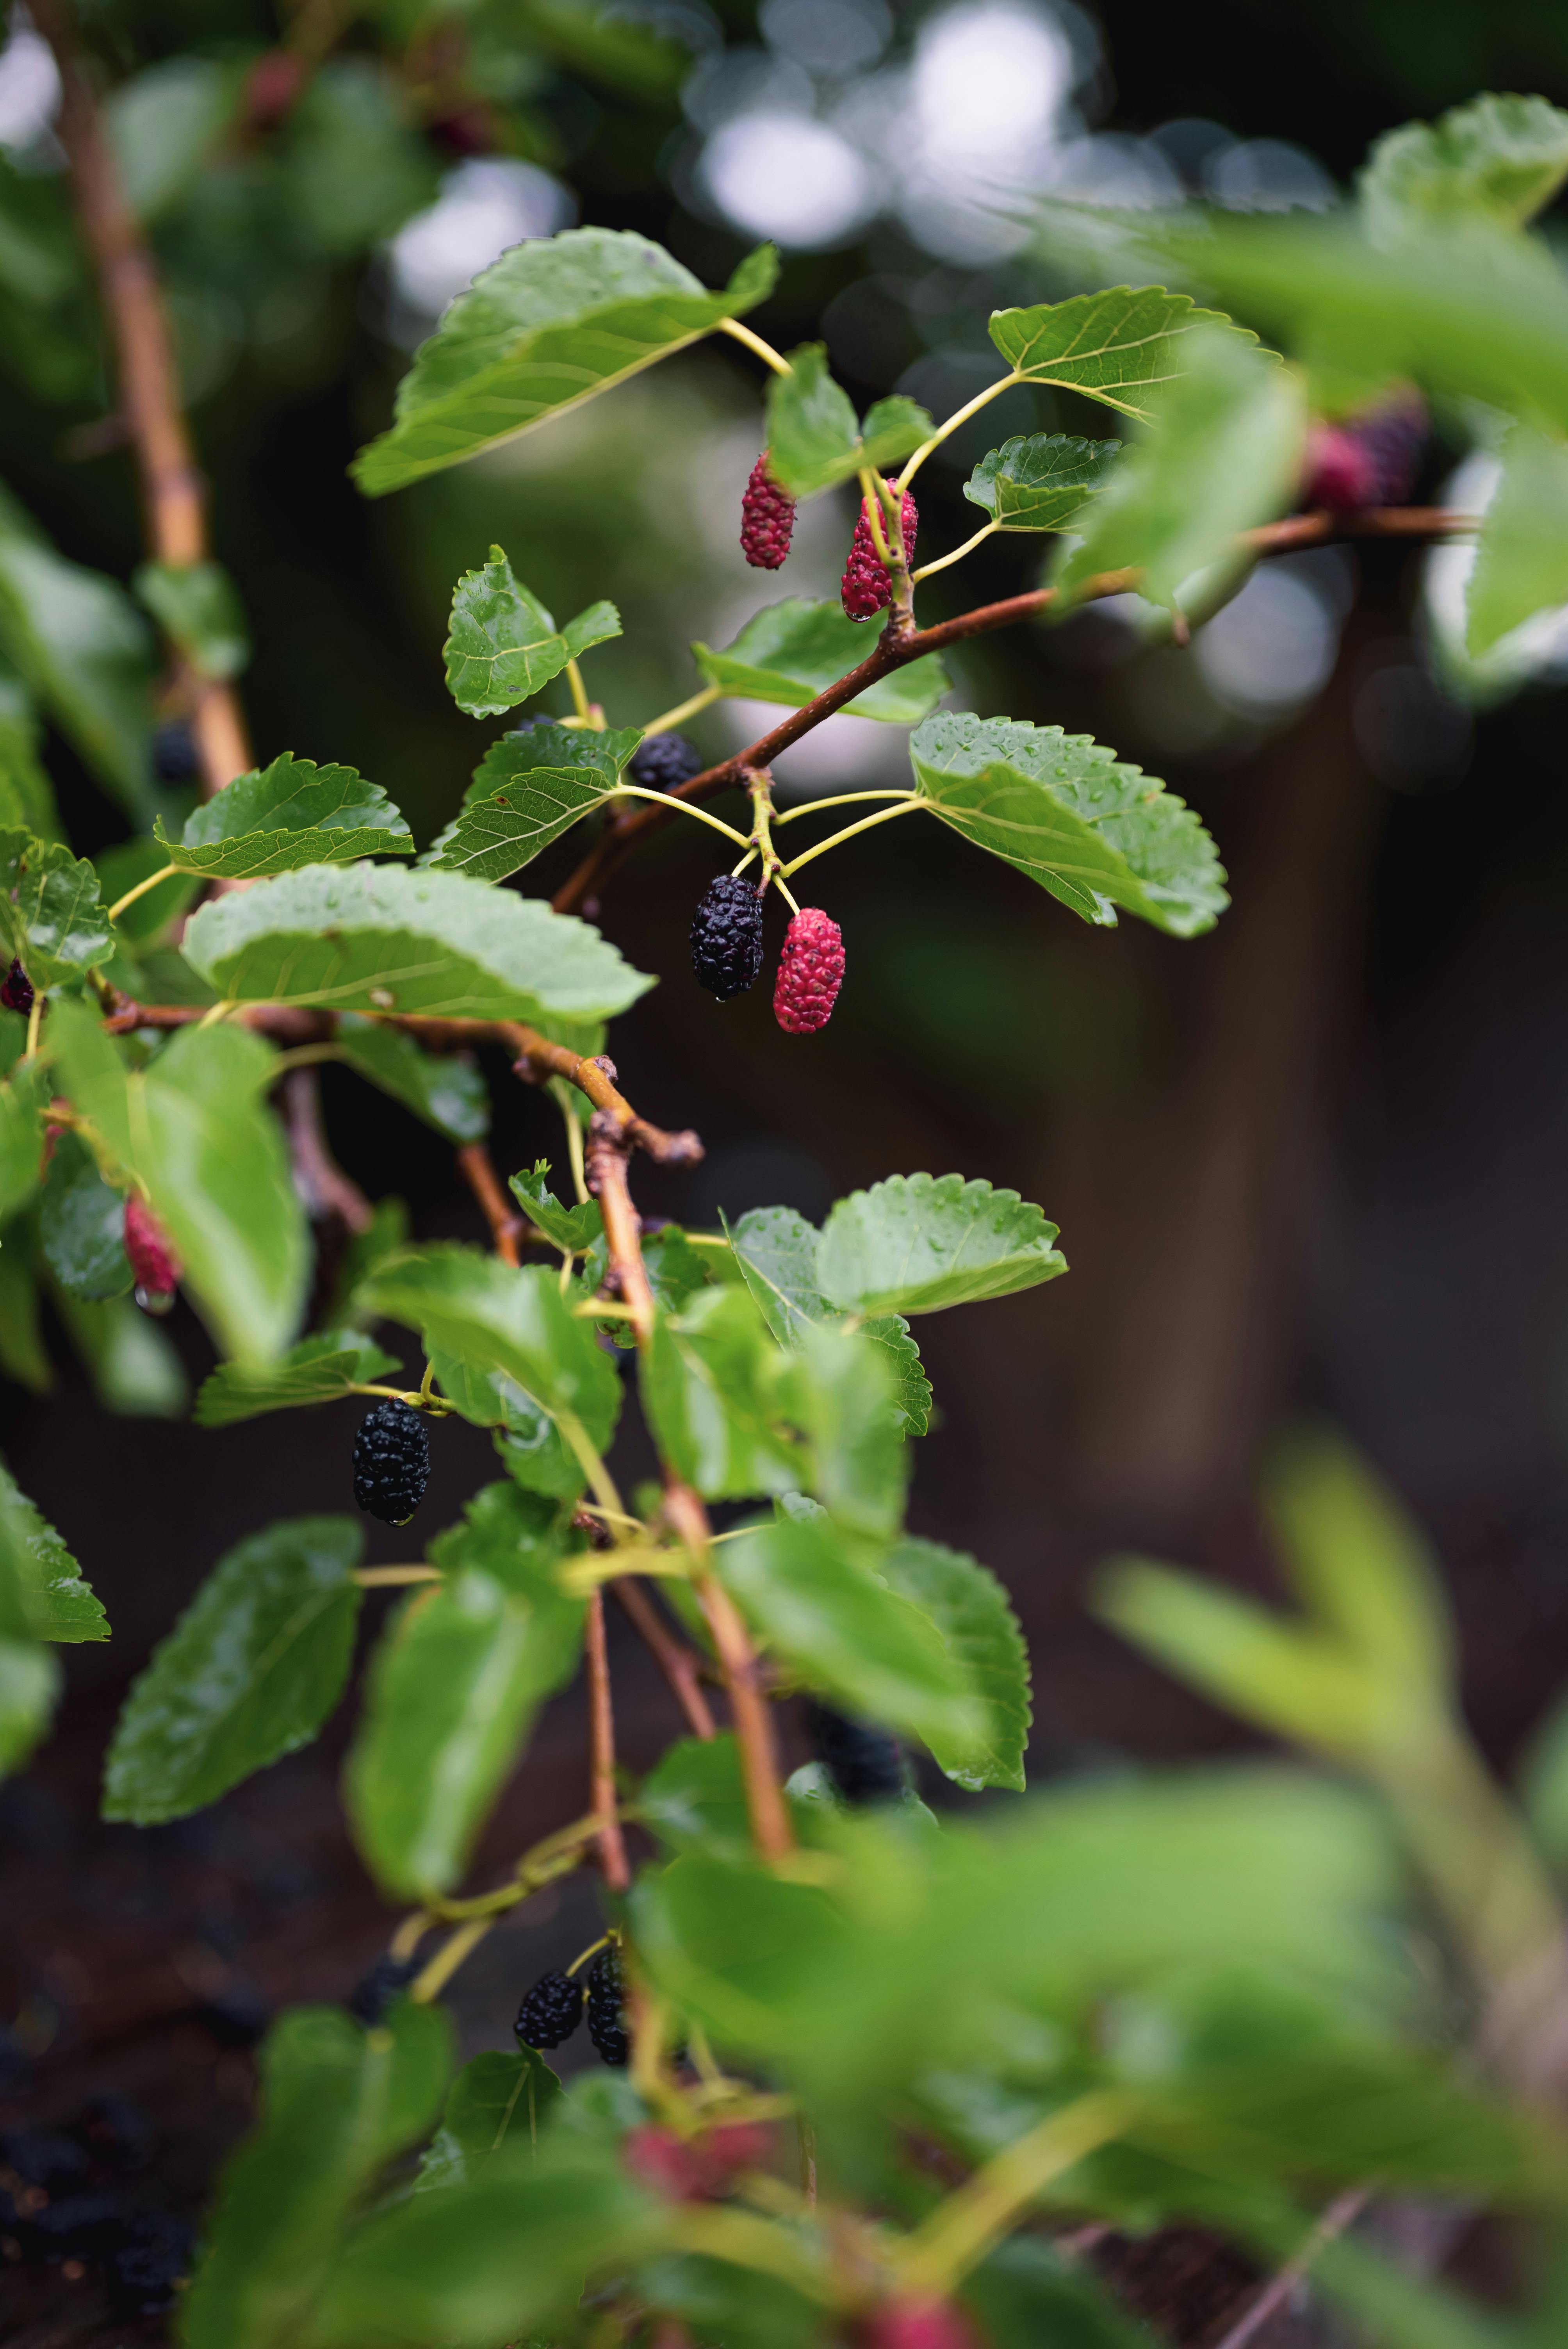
[{"x": 156, "y": 1300}]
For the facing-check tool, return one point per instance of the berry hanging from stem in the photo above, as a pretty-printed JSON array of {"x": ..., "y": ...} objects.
[{"x": 866, "y": 587}]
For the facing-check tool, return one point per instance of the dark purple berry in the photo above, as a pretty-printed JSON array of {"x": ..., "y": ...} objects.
[
  {"x": 1394, "y": 435},
  {"x": 174, "y": 759},
  {"x": 864, "y": 1763},
  {"x": 17, "y": 990},
  {"x": 866, "y": 588},
  {"x": 766, "y": 519},
  {"x": 391, "y": 1462},
  {"x": 551, "y": 2012},
  {"x": 605, "y": 1991},
  {"x": 376, "y": 1988},
  {"x": 663, "y": 760},
  {"x": 727, "y": 936}
]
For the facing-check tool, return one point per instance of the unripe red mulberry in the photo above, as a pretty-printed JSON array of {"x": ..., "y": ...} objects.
[
  {"x": 865, "y": 587},
  {"x": 1338, "y": 471},
  {"x": 766, "y": 519},
  {"x": 919, "y": 2325},
  {"x": 810, "y": 972},
  {"x": 1370, "y": 459},
  {"x": 151, "y": 1252},
  {"x": 696, "y": 2169}
]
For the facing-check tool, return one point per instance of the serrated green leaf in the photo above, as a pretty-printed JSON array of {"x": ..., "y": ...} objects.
[
  {"x": 696, "y": 1797},
  {"x": 453, "y": 1690},
  {"x": 1096, "y": 832},
  {"x": 813, "y": 439},
  {"x": 45, "y": 1597},
  {"x": 133, "y": 1363},
  {"x": 292, "y": 813},
  {"x": 1224, "y": 456},
  {"x": 712, "y": 1387},
  {"x": 776, "y": 1251},
  {"x": 917, "y": 1243},
  {"x": 81, "y": 1222},
  {"x": 321, "y": 1369},
  {"x": 23, "y": 1097},
  {"x": 29, "y": 1689},
  {"x": 51, "y": 918},
  {"x": 842, "y": 1396},
  {"x": 502, "y": 644},
  {"x": 545, "y": 327},
  {"x": 198, "y": 608},
  {"x": 1123, "y": 347},
  {"x": 447, "y": 1089},
  {"x": 1520, "y": 567},
  {"x": 1500, "y": 159},
  {"x": 495, "y": 2105},
  {"x": 529, "y": 788},
  {"x": 789, "y": 652},
  {"x": 195, "y": 1130},
  {"x": 250, "y": 1671},
  {"x": 1041, "y": 483},
  {"x": 575, "y": 1227},
  {"x": 337, "y": 2102},
  {"x": 970, "y": 1609},
  {"x": 375, "y": 939}
]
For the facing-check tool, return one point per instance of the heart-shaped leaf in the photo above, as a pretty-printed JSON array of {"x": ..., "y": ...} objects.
[
  {"x": 918, "y": 1243},
  {"x": 503, "y": 645},
  {"x": 292, "y": 813},
  {"x": 791, "y": 651},
  {"x": 1122, "y": 347},
  {"x": 321, "y": 1369},
  {"x": 529, "y": 788},
  {"x": 1041, "y": 483},
  {"x": 813, "y": 439}
]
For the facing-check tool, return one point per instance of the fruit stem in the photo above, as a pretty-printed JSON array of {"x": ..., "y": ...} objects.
[
  {"x": 959, "y": 2232},
  {"x": 871, "y": 499},
  {"x": 959, "y": 416},
  {"x": 381, "y": 1577},
  {"x": 944, "y": 562},
  {"x": 883, "y": 816},
  {"x": 838, "y": 799},
  {"x": 765, "y": 351},
  {"x": 683, "y": 709},
  {"x": 141, "y": 890},
  {"x": 576, "y": 1437},
  {"x": 760, "y": 785},
  {"x": 34, "y": 1023},
  {"x": 435, "y": 1405},
  {"x": 681, "y": 807},
  {"x": 580, "y": 701}
]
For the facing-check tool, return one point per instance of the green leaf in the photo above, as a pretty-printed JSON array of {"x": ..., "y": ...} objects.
[
  {"x": 1498, "y": 159},
  {"x": 1122, "y": 346},
  {"x": 24, "y": 1096},
  {"x": 493, "y": 1319},
  {"x": 503, "y": 645},
  {"x": 454, "y": 1688},
  {"x": 250, "y": 1671},
  {"x": 1521, "y": 567},
  {"x": 527, "y": 790},
  {"x": 198, "y": 608},
  {"x": 1224, "y": 455},
  {"x": 375, "y": 939},
  {"x": 1027, "y": 2292},
  {"x": 81, "y": 1222},
  {"x": 545, "y": 327},
  {"x": 696, "y": 1799},
  {"x": 1094, "y": 832},
  {"x": 970, "y": 1609},
  {"x": 813, "y": 439},
  {"x": 826, "y": 1612},
  {"x": 1041, "y": 483},
  {"x": 163, "y": 123},
  {"x": 575, "y": 1227},
  {"x": 29, "y": 1690},
  {"x": 292, "y": 813},
  {"x": 195, "y": 1129},
  {"x": 337, "y": 2102},
  {"x": 791, "y": 651},
  {"x": 321, "y": 1368},
  {"x": 776, "y": 1249},
  {"x": 51, "y": 918},
  {"x": 495, "y": 2105},
  {"x": 842, "y": 1393},
  {"x": 135, "y": 1369},
  {"x": 447, "y": 1089},
  {"x": 353, "y": 165},
  {"x": 1543, "y": 1785},
  {"x": 712, "y": 1387},
  {"x": 918, "y": 1243},
  {"x": 41, "y": 1594},
  {"x": 26, "y": 793}
]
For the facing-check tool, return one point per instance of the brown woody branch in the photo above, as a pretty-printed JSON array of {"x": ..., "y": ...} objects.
[
  {"x": 900, "y": 644},
  {"x": 675, "y": 1658},
  {"x": 602, "y": 1735},
  {"x": 479, "y": 1173},
  {"x": 324, "y": 1188}
]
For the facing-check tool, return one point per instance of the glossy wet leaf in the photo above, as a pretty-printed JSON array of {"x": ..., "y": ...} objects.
[
  {"x": 250, "y": 1671},
  {"x": 495, "y": 2106},
  {"x": 712, "y": 1387},
  {"x": 446, "y": 1090},
  {"x": 81, "y": 1224},
  {"x": 375, "y": 938},
  {"x": 551, "y": 322},
  {"x": 198, "y": 608},
  {"x": 575, "y": 1227},
  {"x": 292, "y": 813},
  {"x": 1521, "y": 567},
  {"x": 321, "y": 1368},
  {"x": 503, "y": 645},
  {"x": 1041, "y": 483},
  {"x": 527, "y": 790},
  {"x": 1066, "y": 810},
  {"x": 1501, "y": 159},
  {"x": 918, "y": 1243},
  {"x": 970, "y": 1609},
  {"x": 51, "y": 916},
  {"x": 775, "y": 1251},
  {"x": 23, "y": 1097},
  {"x": 791, "y": 651},
  {"x": 1122, "y": 346},
  {"x": 337, "y": 2102},
  {"x": 46, "y": 1597},
  {"x": 813, "y": 437}
]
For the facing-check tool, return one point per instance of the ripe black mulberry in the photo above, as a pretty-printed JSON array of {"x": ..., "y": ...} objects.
[
  {"x": 866, "y": 1764},
  {"x": 727, "y": 938},
  {"x": 766, "y": 519},
  {"x": 660, "y": 761},
  {"x": 606, "y": 1991},
  {"x": 17, "y": 990},
  {"x": 391, "y": 1462},
  {"x": 174, "y": 757},
  {"x": 551, "y": 2012},
  {"x": 866, "y": 588}
]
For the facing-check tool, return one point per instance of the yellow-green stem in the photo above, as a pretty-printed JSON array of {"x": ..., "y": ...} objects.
[
  {"x": 945, "y": 561},
  {"x": 682, "y": 710},
  {"x": 836, "y": 799},
  {"x": 34, "y": 1023},
  {"x": 600, "y": 1482},
  {"x": 959, "y": 416},
  {"x": 141, "y": 890},
  {"x": 580, "y": 701},
  {"x": 960, "y": 2232},
  {"x": 681, "y": 807},
  {"x": 883, "y": 816},
  {"x": 765, "y": 351},
  {"x": 384, "y": 1577}
]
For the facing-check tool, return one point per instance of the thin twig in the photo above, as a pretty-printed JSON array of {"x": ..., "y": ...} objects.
[
  {"x": 602, "y": 1731},
  {"x": 479, "y": 1173},
  {"x": 321, "y": 1182},
  {"x": 676, "y": 1661},
  {"x": 1342, "y": 2212}
]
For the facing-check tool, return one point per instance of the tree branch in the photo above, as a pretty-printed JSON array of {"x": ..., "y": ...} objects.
[
  {"x": 322, "y": 1184},
  {"x": 602, "y": 1735},
  {"x": 1342, "y": 2212},
  {"x": 674, "y": 1660},
  {"x": 479, "y": 1173}
]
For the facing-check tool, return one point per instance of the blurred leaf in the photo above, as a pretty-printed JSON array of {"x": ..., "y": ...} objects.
[
  {"x": 23, "y": 1097},
  {"x": 250, "y": 1671},
  {"x": 1521, "y": 567},
  {"x": 1543, "y": 1784},
  {"x": 575, "y": 1227},
  {"x": 81, "y": 1222},
  {"x": 352, "y": 165},
  {"x": 503, "y": 645},
  {"x": 1224, "y": 455},
  {"x": 375, "y": 938},
  {"x": 813, "y": 439},
  {"x": 721, "y": 2305},
  {"x": 29, "y": 1690},
  {"x": 45, "y": 1597},
  {"x": 338, "y": 2102},
  {"x": 22, "y": 1353},
  {"x": 198, "y": 608},
  {"x": 696, "y": 1797},
  {"x": 133, "y": 1363},
  {"x": 1041, "y": 483},
  {"x": 528, "y": 789},
  {"x": 1096, "y": 832},
  {"x": 790, "y": 652},
  {"x": 494, "y": 2105},
  {"x": 916, "y": 1243},
  {"x": 51, "y": 918},
  {"x": 775, "y": 1251},
  {"x": 292, "y": 813},
  {"x": 453, "y": 1690},
  {"x": 710, "y": 1384},
  {"x": 321, "y": 1369},
  {"x": 970, "y": 1609},
  {"x": 162, "y": 124},
  {"x": 26, "y": 793},
  {"x": 447, "y": 1089},
  {"x": 1502, "y": 159},
  {"x": 1026, "y": 2293},
  {"x": 1122, "y": 347},
  {"x": 842, "y": 1393},
  {"x": 386, "y": 1234},
  {"x": 543, "y": 328}
]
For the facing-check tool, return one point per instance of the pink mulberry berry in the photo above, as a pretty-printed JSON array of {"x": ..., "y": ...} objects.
[
  {"x": 1371, "y": 458},
  {"x": 766, "y": 519},
  {"x": 919, "y": 2325},
  {"x": 1338, "y": 473},
  {"x": 810, "y": 971},
  {"x": 151, "y": 1253},
  {"x": 866, "y": 588}
]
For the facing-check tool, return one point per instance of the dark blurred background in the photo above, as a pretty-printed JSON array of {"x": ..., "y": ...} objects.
[{"x": 1313, "y": 1163}]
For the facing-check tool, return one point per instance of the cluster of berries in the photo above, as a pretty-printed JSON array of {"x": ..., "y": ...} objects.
[
  {"x": 556, "y": 2004},
  {"x": 727, "y": 954},
  {"x": 1368, "y": 459},
  {"x": 391, "y": 1461},
  {"x": 767, "y": 523},
  {"x": 61, "y": 2200}
]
